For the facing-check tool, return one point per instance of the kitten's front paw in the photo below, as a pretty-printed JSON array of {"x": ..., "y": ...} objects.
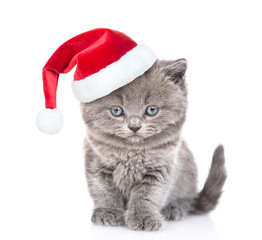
[
  {"x": 108, "y": 216},
  {"x": 143, "y": 221},
  {"x": 173, "y": 213}
]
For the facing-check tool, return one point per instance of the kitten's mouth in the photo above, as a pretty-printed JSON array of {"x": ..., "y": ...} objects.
[{"x": 135, "y": 137}]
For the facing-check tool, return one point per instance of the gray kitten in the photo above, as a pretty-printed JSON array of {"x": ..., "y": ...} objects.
[{"x": 139, "y": 169}]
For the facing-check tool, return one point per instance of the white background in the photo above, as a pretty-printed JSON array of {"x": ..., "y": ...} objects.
[{"x": 43, "y": 192}]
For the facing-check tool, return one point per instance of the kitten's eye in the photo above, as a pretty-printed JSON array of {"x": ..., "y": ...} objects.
[
  {"x": 117, "y": 111},
  {"x": 151, "y": 111}
]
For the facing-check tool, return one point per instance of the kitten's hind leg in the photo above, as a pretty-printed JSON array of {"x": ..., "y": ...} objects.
[{"x": 177, "y": 210}]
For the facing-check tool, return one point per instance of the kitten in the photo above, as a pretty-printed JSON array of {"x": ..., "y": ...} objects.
[{"x": 139, "y": 169}]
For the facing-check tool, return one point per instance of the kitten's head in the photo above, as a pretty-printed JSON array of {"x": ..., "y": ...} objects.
[{"x": 152, "y": 108}]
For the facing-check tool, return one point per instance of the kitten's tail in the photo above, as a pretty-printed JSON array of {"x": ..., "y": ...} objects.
[{"x": 210, "y": 194}]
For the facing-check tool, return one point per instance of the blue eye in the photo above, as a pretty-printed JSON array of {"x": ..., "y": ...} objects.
[
  {"x": 152, "y": 110},
  {"x": 117, "y": 111}
]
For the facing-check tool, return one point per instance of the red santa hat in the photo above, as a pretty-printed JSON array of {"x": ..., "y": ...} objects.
[{"x": 106, "y": 60}]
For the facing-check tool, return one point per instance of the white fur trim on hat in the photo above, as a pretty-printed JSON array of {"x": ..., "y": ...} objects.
[
  {"x": 130, "y": 66},
  {"x": 49, "y": 121}
]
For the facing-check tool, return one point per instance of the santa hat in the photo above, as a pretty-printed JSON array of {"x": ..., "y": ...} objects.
[{"x": 106, "y": 60}]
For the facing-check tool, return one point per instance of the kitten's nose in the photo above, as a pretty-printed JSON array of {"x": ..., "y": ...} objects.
[
  {"x": 134, "y": 123},
  {"x": 134, "y": 129}
]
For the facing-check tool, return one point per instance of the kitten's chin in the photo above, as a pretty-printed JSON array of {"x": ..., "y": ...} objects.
[{"x": 135, "y": 139}]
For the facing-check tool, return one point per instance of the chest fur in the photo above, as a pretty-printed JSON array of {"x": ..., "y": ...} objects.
[
  {"x": 130, "y": 170},
  {"x": 132, "y": 167}
]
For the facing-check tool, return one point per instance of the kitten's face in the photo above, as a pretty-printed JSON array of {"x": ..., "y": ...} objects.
[{"x": 151, "y": 107}]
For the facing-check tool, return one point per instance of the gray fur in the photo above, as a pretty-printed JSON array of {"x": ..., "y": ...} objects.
[
  {"x": 139, "y": 179},
  {"x": 208, "y": 197}
]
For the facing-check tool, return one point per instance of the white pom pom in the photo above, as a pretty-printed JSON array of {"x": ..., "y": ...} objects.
[{"x": 49, "y": 121}]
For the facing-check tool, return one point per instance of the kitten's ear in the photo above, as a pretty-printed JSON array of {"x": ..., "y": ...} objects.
[{"x": 175, "y": 70}]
